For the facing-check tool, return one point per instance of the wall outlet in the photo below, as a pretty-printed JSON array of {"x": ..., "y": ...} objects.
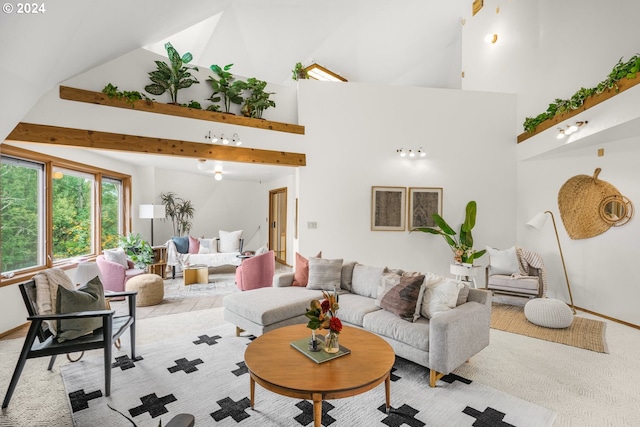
[{"x": 312, "y": 225}]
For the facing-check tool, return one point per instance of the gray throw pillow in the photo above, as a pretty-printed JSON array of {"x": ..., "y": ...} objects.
[
  {"x": 366, "y": 280},
  {"x": 347, "y": 275},
  {"x": 324, "y": 274},
  {"x": 87, "y": 298}
]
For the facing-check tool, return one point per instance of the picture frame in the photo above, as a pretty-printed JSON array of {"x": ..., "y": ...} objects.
[
  {"x": 423, "y": 203},
  {"x": 388, "y": 208}
]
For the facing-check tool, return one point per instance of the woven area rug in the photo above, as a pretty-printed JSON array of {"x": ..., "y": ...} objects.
[
  {"x": 588, "y": 334},
  {"x": 204, "y": 374}
]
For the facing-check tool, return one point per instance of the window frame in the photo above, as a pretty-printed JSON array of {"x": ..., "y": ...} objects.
[{"x": 49, "y": 163}]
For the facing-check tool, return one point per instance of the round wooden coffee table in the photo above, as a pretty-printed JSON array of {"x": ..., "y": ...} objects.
[{"x": 278, "y": 367}]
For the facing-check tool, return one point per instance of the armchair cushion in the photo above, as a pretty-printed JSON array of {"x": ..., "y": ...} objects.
[
  {"x": 116, "y": 255},
  {"x": 87, "y": 298},
  {"x": 503, "y": 261}
]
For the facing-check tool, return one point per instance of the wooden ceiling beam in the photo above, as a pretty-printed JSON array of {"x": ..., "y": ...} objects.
[{"x": 45, "y": 134}]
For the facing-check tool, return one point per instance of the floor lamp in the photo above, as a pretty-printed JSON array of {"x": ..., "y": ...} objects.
[
  {"x": 152, "y": 212},
  {"x": 537, "y": 223}
]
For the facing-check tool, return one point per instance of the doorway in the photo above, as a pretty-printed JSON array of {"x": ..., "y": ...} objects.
[{"x": 278, "y": 223}]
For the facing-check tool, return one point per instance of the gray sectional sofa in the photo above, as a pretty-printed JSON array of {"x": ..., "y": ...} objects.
[{"x": 441, "y": 343}]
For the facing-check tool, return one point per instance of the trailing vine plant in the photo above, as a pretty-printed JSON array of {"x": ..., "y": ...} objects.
[
  {"x": 621, "y": 70},
  {"x": 130, "y": 96}
]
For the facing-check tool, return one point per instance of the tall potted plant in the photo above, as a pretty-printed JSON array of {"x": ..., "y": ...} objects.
[
  {"x": 172, "y": 77},
  {"x": 258, "y": 100},
  {"x": 179, "y": 211},
  {"x": 226, "y": 88},
  {"x": 462, "y": 245}
]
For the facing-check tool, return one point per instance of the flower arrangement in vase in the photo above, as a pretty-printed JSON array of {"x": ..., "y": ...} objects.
[{"x": 324, "y": 315}]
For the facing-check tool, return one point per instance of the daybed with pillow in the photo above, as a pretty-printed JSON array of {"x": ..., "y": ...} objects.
[
  {"x": 434, "y": 321},
  {"x": 213, "y": 252}
]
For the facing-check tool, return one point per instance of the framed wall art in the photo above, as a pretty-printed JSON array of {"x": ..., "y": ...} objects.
[
  {"x": 388, "y": 208},
  {"x": 423, "y": 203}
]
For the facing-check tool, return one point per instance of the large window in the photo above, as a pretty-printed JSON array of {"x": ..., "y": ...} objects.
[
  {"x": 55, "y": 211},
  {"x": 22, "y": 217}
]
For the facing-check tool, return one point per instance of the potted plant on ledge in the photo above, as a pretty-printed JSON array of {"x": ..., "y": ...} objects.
[{"x": 461, "y": 246}]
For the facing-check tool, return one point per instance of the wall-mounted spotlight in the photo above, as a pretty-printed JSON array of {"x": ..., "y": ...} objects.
[
  {"x": 571, "y": 128},
  {"x": 411, "y": 153},
  {"x": 222, "y": 139},
  {"x": 491, "y": 38}
]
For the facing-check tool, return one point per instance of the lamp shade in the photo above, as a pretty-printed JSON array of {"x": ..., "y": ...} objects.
[
  {"x": 537, "y": 222},
  {"x": 151, "y": 211}
]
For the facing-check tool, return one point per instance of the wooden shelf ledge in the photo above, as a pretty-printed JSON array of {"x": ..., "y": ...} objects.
[
  {"x": 81, "y": 95},
  {"x": 592, "y": 101}
]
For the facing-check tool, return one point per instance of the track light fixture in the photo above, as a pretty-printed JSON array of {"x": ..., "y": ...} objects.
[
  {"x": 411, "y": 153},
  {"x": 235, "y": 139},
  {"x": 570, "y": 128}
]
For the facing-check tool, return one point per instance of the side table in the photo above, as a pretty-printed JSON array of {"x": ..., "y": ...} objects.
[
  {"x": 159, "y": 261},
  {"x": 195, "y": 274},
  {"x": 469, "y": 272}
]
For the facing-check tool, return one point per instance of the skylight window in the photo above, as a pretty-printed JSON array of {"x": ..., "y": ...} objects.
[{"x": 318, "y": 72}]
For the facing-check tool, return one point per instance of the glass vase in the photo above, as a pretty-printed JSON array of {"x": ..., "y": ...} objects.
[{"x": 331, "y": 344}]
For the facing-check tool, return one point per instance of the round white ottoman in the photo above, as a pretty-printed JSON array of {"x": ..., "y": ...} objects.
[
  {"x": 548, "y": 312},
  {"x": 150, "y": 289}
]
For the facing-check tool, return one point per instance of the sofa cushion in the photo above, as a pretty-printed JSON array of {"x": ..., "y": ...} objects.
[
  {"x": 353, "y": 308},
  {"x": 346, "y": 276},
  {"x": 463, "y": 295},
  {"x": 230, "y": 240},
  {"x": 503, "y": 261},
  {"x": 208, "y": 246},
  {"x": 366, "y": 279},
  {"x": 403, "y": 298},
  {"x": 181, "y": 243},
  {"x": 522, "y": 284},
  {"x": 388, "y": 280},
  {"x": 116, "y": 255},
  {"x": 194, "y": 245},
  {"x": 324, "y": 274},
  {"x": 87, "y": 298},
  {"x": 265, "y": 306},
  {"x": 440, "y": 297},
  {"x": 301, "y": 273},
  {"x": 386, "y": 324}
]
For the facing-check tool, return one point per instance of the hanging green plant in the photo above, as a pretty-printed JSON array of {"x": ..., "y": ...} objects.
[
  {"x": 129, "y": 96},
  {"x": 620, "y": 71},
  {"x": 172, "y": 78}
]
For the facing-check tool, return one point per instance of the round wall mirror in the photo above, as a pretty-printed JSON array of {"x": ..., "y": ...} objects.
[{"x": 616, "y": 210}]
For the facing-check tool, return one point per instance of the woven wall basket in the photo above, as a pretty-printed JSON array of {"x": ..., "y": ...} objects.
[{"x": 579, "y": 203}]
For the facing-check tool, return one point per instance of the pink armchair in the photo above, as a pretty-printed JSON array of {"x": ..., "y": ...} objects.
[
  {"x": 114, "y": 275},
  {"x": 256, "y": 272}
]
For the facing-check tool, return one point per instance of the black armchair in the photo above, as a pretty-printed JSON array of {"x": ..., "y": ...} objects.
[{"x": 46, "y": 345}]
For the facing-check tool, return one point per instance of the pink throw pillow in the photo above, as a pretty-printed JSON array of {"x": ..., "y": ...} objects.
[
  {"x": 301, "y": 275},
  {"x": 194, "y": 245}
]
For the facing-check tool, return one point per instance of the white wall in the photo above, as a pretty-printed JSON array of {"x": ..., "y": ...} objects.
[
  {"x": 597, "y": 266},
  {"x": 353, "y": 132},
  {"x": 546, "y": 49}
]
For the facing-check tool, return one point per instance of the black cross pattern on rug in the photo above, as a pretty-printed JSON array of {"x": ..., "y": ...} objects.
[
  {"x": 306, "y": 417},
  {"x": 188, "y": 366},
  {"x": 206, "y": 339},
  {"x": 403, "y": 415},
  {"x": 394, "y": 377},
  {"x": 489, "y": 418},
  {"x": 153, "y": 404},
  {"x": 125, "y": 362},
  {"x": 229, "y": 408},
  {"x": 242, "y": 369},
  {"x": 80, "y": 400},
  {"x": 450, "y": 378}
]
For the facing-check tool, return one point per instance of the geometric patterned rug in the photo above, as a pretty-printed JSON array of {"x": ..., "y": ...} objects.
[{"x": 204, "y": 374}]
